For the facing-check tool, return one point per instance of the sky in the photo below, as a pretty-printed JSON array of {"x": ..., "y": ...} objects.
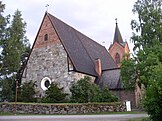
[{"x": 94, "y": 18}]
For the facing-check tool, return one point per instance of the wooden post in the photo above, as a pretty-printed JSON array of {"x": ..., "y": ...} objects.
[{"x": 16, "y": 96}]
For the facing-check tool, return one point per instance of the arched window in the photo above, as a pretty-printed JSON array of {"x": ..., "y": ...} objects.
[
  {"x": 117, "y": 58},
  {"x": 45, "y": 37}
]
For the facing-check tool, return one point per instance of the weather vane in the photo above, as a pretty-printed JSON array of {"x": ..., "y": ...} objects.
[{"x": 47, "y": 7}]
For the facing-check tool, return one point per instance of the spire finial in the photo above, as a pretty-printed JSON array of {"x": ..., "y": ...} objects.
[
  {"x": 47, "y": 7},
  {"x": 116, "y": 21}
]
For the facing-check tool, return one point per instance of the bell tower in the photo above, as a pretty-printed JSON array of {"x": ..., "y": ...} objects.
[{"x": 118, "y": 49}]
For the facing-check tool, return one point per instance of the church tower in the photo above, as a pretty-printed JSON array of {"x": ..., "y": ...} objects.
[{"x": 118, "y": 49}]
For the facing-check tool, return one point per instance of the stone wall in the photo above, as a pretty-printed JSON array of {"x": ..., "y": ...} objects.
[{"x": 62, "y": 108}]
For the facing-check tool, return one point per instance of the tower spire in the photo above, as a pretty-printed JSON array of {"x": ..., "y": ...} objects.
[{"x": 117, "y": 35}]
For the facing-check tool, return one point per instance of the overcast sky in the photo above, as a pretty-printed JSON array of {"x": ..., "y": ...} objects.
[{"x": 94, "y": 18}]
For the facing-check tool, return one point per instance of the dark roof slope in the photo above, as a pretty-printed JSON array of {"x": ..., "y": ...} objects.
[
  {"x": 117, "y": 35},
  {"x": 112, "y": 79},
  {"x": 82, "y": 50}
]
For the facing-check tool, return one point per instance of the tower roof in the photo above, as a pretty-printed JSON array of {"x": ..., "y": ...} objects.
[{"x": 117, "y": 35}]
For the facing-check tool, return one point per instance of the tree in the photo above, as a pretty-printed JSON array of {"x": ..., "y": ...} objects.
[
  {"x": 153, "y": 98},
  {"x": 7, "y": 93},
  {"x": 27, "y": 92},
  {"x": 14, "y": 46},
  {"x": 3, "y": 22},
  {"x": 54, "y": 94},
  {"x": 147, "y": 39}
]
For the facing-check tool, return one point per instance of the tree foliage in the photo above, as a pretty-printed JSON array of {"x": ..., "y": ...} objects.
[
  {"x": 85, "y": 91},
  {"x": 54, "y": 94},
  {"x": 142, "y": 68},
  {"x": 14, "y": 48},
  {"x": 153, "y": 98}
]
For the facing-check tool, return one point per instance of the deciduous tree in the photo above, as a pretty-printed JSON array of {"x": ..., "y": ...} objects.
[{"x": 142, "y": 68}]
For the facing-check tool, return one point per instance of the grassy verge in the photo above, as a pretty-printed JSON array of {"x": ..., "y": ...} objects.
[
  {"x": 139, "y": 119},
  {"x": 100, "y": 113},
  {"x": 6, "y": 113},
  {"x": 93, "y": 103}
]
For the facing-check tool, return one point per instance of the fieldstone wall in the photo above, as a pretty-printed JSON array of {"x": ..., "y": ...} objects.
[
  {"x": 50, "y": 62},
  {"x": 62, "y": 108}
]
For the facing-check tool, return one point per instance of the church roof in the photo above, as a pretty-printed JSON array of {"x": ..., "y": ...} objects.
[
  {"x": 117, "y": 35},
  {"x": 112, "y": 79},
  {"x": 82, "y": 50}
]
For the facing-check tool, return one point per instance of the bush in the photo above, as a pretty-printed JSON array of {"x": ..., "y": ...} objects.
[
  {"x": 27, "y": 92},
  {"x": 54, "y": 94},
  {"x": 106, "y": 95},
  {"x": 146, "y": 119},
  {"x": 85, "y": 91}
]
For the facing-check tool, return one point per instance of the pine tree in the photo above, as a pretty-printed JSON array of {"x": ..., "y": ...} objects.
[{"x": 14, "y": 46}]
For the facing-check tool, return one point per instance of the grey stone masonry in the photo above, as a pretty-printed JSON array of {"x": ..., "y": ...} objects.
[
  {"x": 62, "y": 108},
  {"x": 50, "y": 62}
]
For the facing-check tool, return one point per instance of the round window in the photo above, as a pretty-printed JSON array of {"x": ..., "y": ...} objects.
[{"x": 45, "y": 83}]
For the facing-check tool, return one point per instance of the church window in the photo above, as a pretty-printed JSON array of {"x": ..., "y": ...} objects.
[
  {"x": 45, "y": 83},
  {"x": 117, "y": 58},
  {"x": 45, "y": 37}
]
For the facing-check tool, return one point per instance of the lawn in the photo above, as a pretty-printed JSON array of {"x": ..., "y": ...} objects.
[{"x": 138, "y": 119}]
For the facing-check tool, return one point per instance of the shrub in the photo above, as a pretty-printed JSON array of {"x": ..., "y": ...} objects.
[
  {"x": 85, "y": 91},
  {"x": 54, "y": 94},
  {"x": 27, "y": 92},
  {"x": 106, "y": 95}
]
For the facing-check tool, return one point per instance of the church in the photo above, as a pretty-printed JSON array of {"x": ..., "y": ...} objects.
[{"x": 63, "y": 55}]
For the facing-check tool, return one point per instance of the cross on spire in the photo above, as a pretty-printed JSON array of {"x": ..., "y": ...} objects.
[
  {"x": 116, "y": 21},
  {"x": 47, "y": 7}
]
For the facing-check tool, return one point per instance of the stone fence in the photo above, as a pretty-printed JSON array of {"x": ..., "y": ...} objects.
[{"x": 36, "y": 108}]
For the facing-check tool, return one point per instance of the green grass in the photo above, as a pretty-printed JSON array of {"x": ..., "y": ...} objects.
[
  {"x": 137, "y": 119},
  {"x": 93, "y": 103},
  {"x": 100, "y": 113},
  {"x": 6, "y": 113}
]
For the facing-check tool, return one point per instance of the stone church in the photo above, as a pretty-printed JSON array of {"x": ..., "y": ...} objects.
[{"x": 64, "y": 55}]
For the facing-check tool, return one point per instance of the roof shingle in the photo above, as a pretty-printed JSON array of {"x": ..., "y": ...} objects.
[{"x": 82, "y": 50}]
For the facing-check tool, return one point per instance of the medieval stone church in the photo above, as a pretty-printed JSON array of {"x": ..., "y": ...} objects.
[{"x": 64, "y": 55}]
